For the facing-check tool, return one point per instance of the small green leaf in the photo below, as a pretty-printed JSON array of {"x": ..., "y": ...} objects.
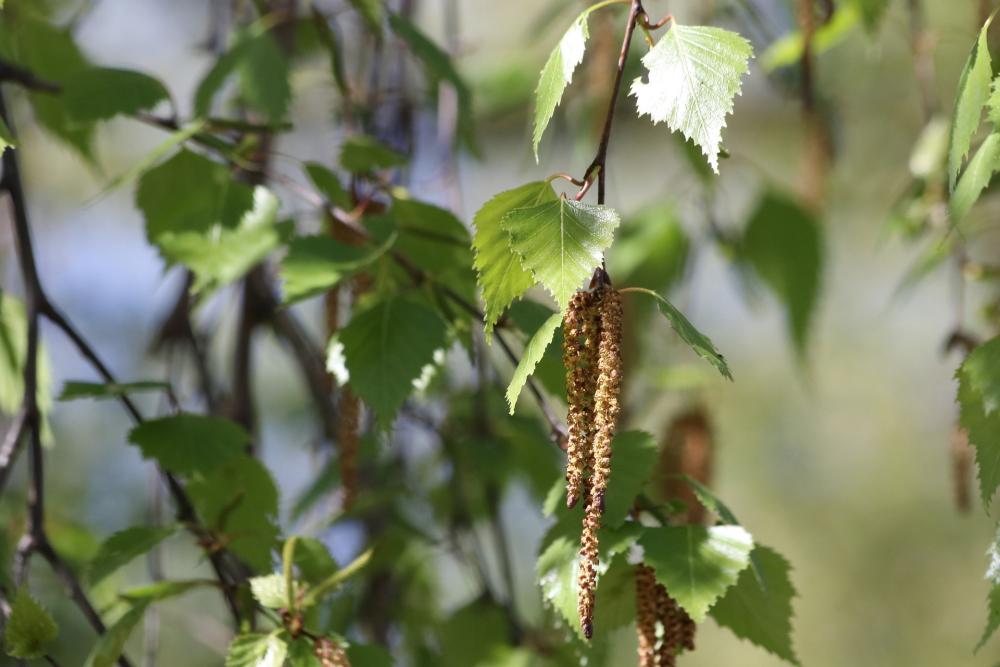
[
  {"x": 164, "y": 590},
  {"x": 257, "y": 650},
  {"x": 979, "y": 400},
  {"x": 557, "y": 74},
  {"x": 973, "y": 92},
  {"x": 314, "y": 264},
  {"x": 239, "y": 500},
  {"x": 329, "y": 185},
  {"x": 29, "y": 629},
  {"x": 362, "y": 154},
  {"x": 697, "y": 565},
  {"x": 386, "y": 347},
  {"x": 694, "y": 75},
  {"x": 634, "y": 458},
  {"x": 122, "y": 547},
  {"x": 993, "y": 617},
  {"x": 762, "y": 616},
  {"x": 501, "y": 276},
  {"x": 187, "y": 443},
  {"x": 787, "y": 50},
  {"x": 263, "y": 75},
  {"x": 100, "y": 93},
  {"x": 270, "y": 590},
  {"x": 975, "y": 178},
  {"x": 532, "y": 354},
  {"x": 783, "y": 244},
  {"x": 6, "y": 137},
  {"x": 111, "y": 644},
  {"x": 561, "y": 242},
  {"x": 74, "y": 389}
]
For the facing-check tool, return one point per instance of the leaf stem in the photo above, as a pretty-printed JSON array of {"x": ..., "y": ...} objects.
[{"x": 337, "y": 578}]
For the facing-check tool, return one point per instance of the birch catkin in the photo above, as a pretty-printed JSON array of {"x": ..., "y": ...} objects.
[
  {"x": 678, "y": 628},
  {"x": 330, "y": 654},
  {"x": 580, "y": 327},
  {"x": 606, "y": 409},
  {"x": 645, "y": 614}
]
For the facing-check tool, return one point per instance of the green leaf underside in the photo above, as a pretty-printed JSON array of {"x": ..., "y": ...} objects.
[
  {"x": 110, "y": 645},
  {"x": 122, "y": 547},
  {"x": 634, "y": 458},
  {"x": 561, "y": 242},
  {"x": 694, "y": 75},
  {"x": 973, "y": 92},
  {"x": 501, "y": 276},
  {"x": 783, "y": 244},
  {"x": 386, "y": 347},
  {"x": 73, "y": 389},
  {"x": 314, "y": 264},
  {"x": 697, "y": 564},
  {"x": 557, "y": 74},
  {"x": 762, "y": 616},
  {"x": 29, "y": 629},
  {"x": 100, "y": 93},
  {"x": 270, "y": 590},
  {"x": 979, "y": 400},
  {"x": 532, "y": 354},
  {"x": 187, "y": 443},
  {"x": 975, "y": 178},
  {"x": 256, "y": 650}
]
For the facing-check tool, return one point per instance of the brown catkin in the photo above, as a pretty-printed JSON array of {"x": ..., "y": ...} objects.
[
  {"x": 645, "y": 614},
  {"x": 688, "y": 449},
  {"x": 330, "y": 654},
  {"x": 678, "y": 628},
  {"x": 606, "y": 411},
  {"x": 348, "y": 440},
  {"x": 961, "y": 466},
  {"x": 579, "y": 358}
]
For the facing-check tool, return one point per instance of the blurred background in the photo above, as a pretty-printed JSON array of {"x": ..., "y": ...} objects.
[{"x": 839, "y": 459}]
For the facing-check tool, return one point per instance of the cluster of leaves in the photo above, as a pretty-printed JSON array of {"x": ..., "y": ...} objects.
[{"x": 207, "y": 211}]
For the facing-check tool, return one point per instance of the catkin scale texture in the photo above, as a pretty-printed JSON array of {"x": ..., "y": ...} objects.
[
  {"x": 645, "y": 614},
  {"x": 580, "y": 327}
]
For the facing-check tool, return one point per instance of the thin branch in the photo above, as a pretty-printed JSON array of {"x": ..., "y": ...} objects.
[{"x": 12, "y": 73}]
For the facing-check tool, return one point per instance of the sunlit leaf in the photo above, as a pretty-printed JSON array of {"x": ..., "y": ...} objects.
[
  {"x": 29, "y": 628},
  {"x": 532, "y": 354},
  {"x": 973, "y": 92},
  {"x": 557, "y": 74},
  {"x": 975, "y": 178}
]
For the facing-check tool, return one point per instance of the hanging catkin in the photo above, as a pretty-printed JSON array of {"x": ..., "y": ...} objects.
[
  {"x": 579, "y": 358},
  {"x": 606, "y": 410},
  {"x": 688, "y": 449},
  {"x": 330, "y": 654},
  {"x": 645, "y": 614},
  {"x": 678, "y": 628}
]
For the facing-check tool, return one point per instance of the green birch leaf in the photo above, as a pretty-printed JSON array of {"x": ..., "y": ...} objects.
[
  {"x": 314, "y": 264},
  {"x": 694, "y": 75},
  {"x": 697, "y": 565},
  {"x": 979, "y": 400},
  {"x": 993, "y": 104},
  {"x": 124, "y": 546},
  {"x": 532, "y": 354},
  {"x": 386, "y": 348},
  {"x": 362, "y": 154},
  {"x": 758, "y": 614},
  {"x": 29, "y": 629},
  {"x": 635, "y": 455},
  {"x": 329, "y": 185},
  {"x": 270, "y": 591},
  {"x": 975, "y": 178},
  {"x": 687, "y": 332},
  {"x": 185, "y": 444},
  {"x": 501, "y": 276},
  {"x": 973, "y": 92},
  {"x": 100, "y": 93},
  {"x": 263, "y": 76},
  {"x": 993, "y": 617},
  {"x": 557, "y": 74},
  {"x": 561, "y": 242},
  {"x": 111, "y": 644},
  {"x": 257, "y": 650},
  {"x": 783, "y": 244}
]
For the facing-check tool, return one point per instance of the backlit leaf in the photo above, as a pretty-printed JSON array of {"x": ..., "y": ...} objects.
[
  {"x": 532, "y": 354},
  {"x": 973, "y": 92}
]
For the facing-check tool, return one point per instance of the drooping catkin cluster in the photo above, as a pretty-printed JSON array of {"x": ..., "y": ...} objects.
[
  {"x": 580, "y": 327},
  {"x": 330, "y": 654},
  {"x": 592, "y": 355},
  {"x": 688, "y": 449},
  {"x": 655, "y": 607}
]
